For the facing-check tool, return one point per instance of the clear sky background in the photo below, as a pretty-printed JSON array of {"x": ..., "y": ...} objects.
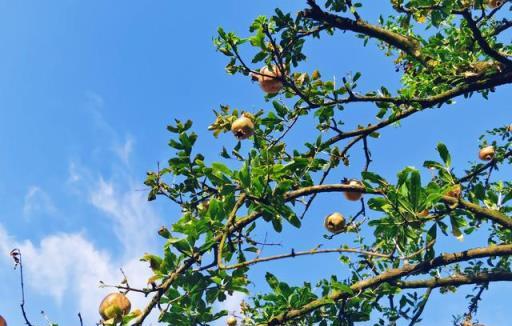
[{"x": 86, "y": 90}]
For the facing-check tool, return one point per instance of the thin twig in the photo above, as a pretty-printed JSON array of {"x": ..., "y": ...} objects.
[
  {"x": 16, "y": 255},
  {"x": 421, "y": 307},
  {"x": 80, "y": 318}
]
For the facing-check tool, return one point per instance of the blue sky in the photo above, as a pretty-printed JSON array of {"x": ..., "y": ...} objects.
[{"x": 86, "y": 90}]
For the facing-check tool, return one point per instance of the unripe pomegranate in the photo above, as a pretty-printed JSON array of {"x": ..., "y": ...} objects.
[
  {"x": 2, "y": 321},
  {"x": 353, "y": 196},
  {"x": 335, "y": 223},
  {"x": 494, "y": 3},
  {"x": 231, "y": 321},
  {"x": 454, "y": 192},
  {"x": 114, "y": 305},
  {"x": 486, "y": 153},
  {"x": 243, "y": 127},
  {"x": 268, "y": 79}
]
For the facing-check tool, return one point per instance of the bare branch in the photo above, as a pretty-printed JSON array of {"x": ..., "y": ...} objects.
[
  {"x": 311, "y": 252},
  {"x": 18, "y": 261}
]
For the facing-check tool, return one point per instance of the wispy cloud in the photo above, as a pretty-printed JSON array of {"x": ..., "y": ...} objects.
[
  {"x": 134, "y": 221},
  {"x": 70, "y": 265},
  {"x": 124, "y": 150},
  {"x": 74, "y": 175},
  {"x": 37, "y": 201},
  {"x": 122, "y": 147}
]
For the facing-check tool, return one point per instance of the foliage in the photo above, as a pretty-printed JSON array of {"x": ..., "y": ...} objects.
[{"x": 443, "y": 49}]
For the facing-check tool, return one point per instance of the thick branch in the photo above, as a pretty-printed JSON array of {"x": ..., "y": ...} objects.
[
  {"x": 407, "y": 44},
  {"x": 456, "y": 280},
  {"x": 494, "y": 80},
  {"x": 484, "y": 45},
  {"x": 226, "y": 233},
  {"x": 325, "y": 188},
  {"x": 506, "y": 24},
  {"x": 392, "y": 275},
  {"x": 491, "y": 214}
]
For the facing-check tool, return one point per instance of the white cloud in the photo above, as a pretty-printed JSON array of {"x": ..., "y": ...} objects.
[
  {"x": 121, "y": 148},
  {"x": 135, "y": 223},
  {"x": 62, "y": 260},
  {"x": 5, "y": 241},
  {"x": 37, "y": 201},
  {"x": 68, "y": 265}
]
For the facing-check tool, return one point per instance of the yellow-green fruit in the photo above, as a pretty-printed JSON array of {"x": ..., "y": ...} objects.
[
  {"x": 242, "y": 127},
  {"x": 335, "y": 223},
  {"x": 231, "y": 321},
  {"x": 486, "y": 153},
  {"x": 2, "y": 321},
  {"x": 114, "y": 305},
  {"x": 353, "y": 196}
]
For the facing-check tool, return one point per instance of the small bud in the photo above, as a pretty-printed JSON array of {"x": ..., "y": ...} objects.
[{"x": 164, "y": 232}]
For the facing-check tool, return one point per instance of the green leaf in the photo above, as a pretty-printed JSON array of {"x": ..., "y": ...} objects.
[
  {"x": 272, "y": 281},
  {"x": 280, "y": 108},
  {"x": 373, "y": 178},
  {"x": 445, "y": 154},
  {"x": 414, "y": 186},
  {"x": 455, "y": 228},
  {"x": 220, "y": 167},
  {"x": 276, "y": 223}
]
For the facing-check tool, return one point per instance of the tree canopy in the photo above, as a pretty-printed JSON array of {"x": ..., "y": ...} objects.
[{"x": 443, "y": 50}]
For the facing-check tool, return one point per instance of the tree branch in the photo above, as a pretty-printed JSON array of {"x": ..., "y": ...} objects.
[
  {"x": 505, "y": 24},
  {"x": 456, "y": 280},
  {"x": 393, "y": 275},
  {"x": 18, "y": 261},
  {"x": 484, "y": 45},
  {"x": 491, "y": 81},
  {"x": 311, "y": 252},
  {"x": 407, "y": 44},
  {"x": 230, "y": 221},
  {"x": 490, "y": 214},
  {"x": 421, "y": 307}
]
